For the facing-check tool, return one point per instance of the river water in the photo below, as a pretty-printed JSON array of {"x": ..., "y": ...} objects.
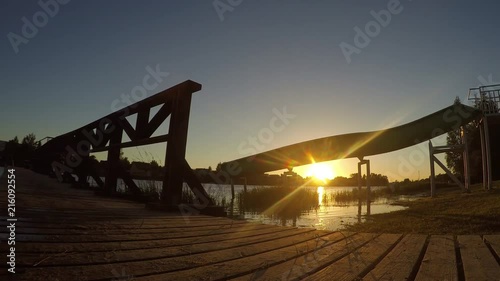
[{"x": 329, "y": 216}]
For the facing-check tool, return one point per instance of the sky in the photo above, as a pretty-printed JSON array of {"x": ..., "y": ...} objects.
[{"x": 336, "y": 66}]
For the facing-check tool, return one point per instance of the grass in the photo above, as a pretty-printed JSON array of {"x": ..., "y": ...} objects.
[
  {"x": 452, "y": 212},
  {"x": 281, "y": 201},
  {"x": 350, "y": 196},
  {"x": 217, "y": 196}
]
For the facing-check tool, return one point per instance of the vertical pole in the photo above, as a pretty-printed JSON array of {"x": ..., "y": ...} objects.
[
  {"x": 488, "y": 151},
  {"x": 431, "y": 177},
  {"x": 359, "y": 189},
  {"x": 245, "y": 185},
  {"x": 176, "y": 148},
  {"x": 232, "y": 189},
  {"x": 483, "y": 154},
  {"x": 463, "y": 132},
  {"x": 141, "y": 123},
  {"x": 232, "y": 198},
  {"x": 368, "y": 188},
  {"x": 113, "y": 162}
]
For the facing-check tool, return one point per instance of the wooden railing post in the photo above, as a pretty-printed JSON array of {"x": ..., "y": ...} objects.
[
  {"x": 176, "y": 148},
  {"x": 432, "y": 175},
  {"x": 113, "y": 162}
]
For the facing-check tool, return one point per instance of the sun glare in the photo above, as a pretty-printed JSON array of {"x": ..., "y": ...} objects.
[{"x": 321, "y": 171}]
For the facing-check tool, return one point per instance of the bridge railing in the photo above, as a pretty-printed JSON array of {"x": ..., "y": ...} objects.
[
  {"x": 69, "y": 152},
  {"x": 486, "y": 98}
]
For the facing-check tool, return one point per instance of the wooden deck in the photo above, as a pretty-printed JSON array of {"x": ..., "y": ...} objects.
[{"x": 65, "y": 233}]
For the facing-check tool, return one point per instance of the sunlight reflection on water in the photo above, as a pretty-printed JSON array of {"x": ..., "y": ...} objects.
[
  {"x": 330, "y": 216},
  {"x": 333, "y": 216}
]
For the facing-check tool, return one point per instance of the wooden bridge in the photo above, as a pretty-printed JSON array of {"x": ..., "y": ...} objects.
[{"x": 64, "y": 233}]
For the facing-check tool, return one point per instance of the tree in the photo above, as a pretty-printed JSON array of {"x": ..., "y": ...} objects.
[
  {"x": 454, "y": 160},
  {"x": 124, "y": 161},
  {"x": 14, "y": 140},
  {"x": 30, "y": 141},
  {"x": 219, "y": 167}
]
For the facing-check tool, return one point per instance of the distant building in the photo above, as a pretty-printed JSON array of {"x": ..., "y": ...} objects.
[
  {"x": 290, "y": 177},
  {"x": 141, "y": 169},
  {"x": 204, "y": 175}
]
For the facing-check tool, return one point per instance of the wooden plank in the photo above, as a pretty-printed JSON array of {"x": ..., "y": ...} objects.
[
  {"x": 187, "y": 267},
  {"x": 125, "y": 126},
  {"x": 354, "y": 264},
  {"x": 89, "y": 247},
  {"x": 113, "y": 161},
  {"x": 127, "y": 179},
  {"x": 400, "y": 262},
  {"x": 120, "y": 222},
  {"x": 181, "y": 231},
  {"x": 116, "y": 229},
  {"x": 249, "y": 263},
  {"x": 218, "y": 235},
  {"x": 494, "y": 241},
  {"x": 439, "y": 261},
  {"x": 187, "y": 87},
  {"x": 479, "y": 264},
  {"x": 195, "y": 185},
  {"x": 157, "y": 120},
  {"x": 141, "y": 123},
  {"x": 87, "y": 258},
  {"x": 305, "y": 264},
  {"x": 176, "y": 151},
  {"x": 140, "y": 142}
]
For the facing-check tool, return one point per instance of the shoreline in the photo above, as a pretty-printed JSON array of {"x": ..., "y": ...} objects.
[{"x": 450, "y": 212}]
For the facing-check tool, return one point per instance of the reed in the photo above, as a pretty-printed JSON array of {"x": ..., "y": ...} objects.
[{"x": 283, "y": 202}]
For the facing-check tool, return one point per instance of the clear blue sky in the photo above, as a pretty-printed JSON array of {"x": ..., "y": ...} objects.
[{"x": 261, "y": 55}]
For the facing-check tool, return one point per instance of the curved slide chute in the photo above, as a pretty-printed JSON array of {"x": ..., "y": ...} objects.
[{"x": 356, "y": 144}]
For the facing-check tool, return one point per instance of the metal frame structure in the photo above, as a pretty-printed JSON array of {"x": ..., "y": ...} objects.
[
  {"x": 487, "y": 99},
  {"x": 368, "y": 187},
  {"x": 463, "y": 147}
]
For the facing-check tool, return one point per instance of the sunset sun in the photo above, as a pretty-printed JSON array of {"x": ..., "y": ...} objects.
[{"x": 321, "y": 171}]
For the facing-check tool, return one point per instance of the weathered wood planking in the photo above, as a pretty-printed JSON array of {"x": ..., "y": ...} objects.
[
  {"x": 216, "y": 264},
  {"x": 439, "y": 261},
  {"x": 479, "y": 264},
  {"x": 158, "y": 252},
  {"x": 41, "y": 248},
  {"x": 321, "y": 256},
  {"x": 78, "y": 236},
  {"x": 401, "y": 261},
  {"x": 91, "y": 237},
  {"x": 358, "y": 261},
  {"x": 494, "y": 241}
]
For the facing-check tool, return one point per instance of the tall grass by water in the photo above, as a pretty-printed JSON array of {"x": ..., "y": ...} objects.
[{"x": 282, "y": 201}]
